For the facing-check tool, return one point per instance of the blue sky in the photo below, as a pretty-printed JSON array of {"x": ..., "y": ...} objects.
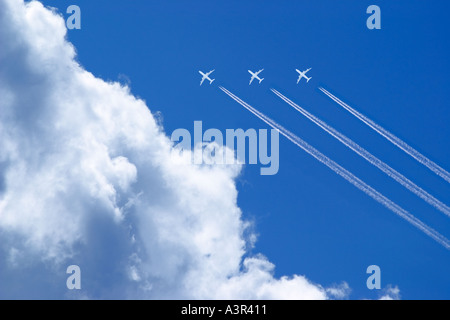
[{"x": 309, "y": 220}]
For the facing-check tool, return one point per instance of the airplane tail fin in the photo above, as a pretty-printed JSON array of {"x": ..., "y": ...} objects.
[
  {"x": 307, "y": 80},
  {"x": 211, "y": 81},
  {"x": 261, "y": 80}
]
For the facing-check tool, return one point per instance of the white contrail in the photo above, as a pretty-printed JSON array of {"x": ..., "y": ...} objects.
[
  {"x": 350, "y": 177},
  {"x": 408, "y": 184},
  {"x": 393, "y": 139}
]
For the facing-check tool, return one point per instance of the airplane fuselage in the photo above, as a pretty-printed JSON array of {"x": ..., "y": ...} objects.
[
  {"x": 255, "y": 76},
  {"x": 302, "y": 74},
  {"x": 205, "y": 76}
]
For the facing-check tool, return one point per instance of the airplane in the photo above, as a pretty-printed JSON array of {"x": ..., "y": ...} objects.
[
  {"x": 255, "y": 76},
  {"x": 303, "y": 75},
  {"x": 206, "y": 76}
]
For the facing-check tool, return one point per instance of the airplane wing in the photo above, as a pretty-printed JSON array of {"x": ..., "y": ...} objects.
[
  {"x": 210, "y": 72},
  {"x": 251, "y": 80},
  {"x": 203, "y": 79},
  {"x": 259, "y": 72}
]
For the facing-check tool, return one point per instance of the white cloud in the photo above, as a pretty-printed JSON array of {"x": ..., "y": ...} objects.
[
  {"x": 87, "y": 176},
  {"x": 390, "y": 293}
]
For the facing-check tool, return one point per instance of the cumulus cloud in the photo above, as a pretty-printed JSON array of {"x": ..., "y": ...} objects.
[
  {"x": 390, "y": 293},
  {"x": 87, "y": 177}
]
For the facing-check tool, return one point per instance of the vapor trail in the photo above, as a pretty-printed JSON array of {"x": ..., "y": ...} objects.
[
  {"x": 393, "y": 139},
  {"x": 350, "y": 177},
  {"x": 408, "y": 184}
]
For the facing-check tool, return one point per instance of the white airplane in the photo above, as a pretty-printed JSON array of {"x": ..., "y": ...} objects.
[
  {"x": 205, "y": 76},
  {"x": 303, "y": 75},
  {"x": 255, "y": 76}
]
